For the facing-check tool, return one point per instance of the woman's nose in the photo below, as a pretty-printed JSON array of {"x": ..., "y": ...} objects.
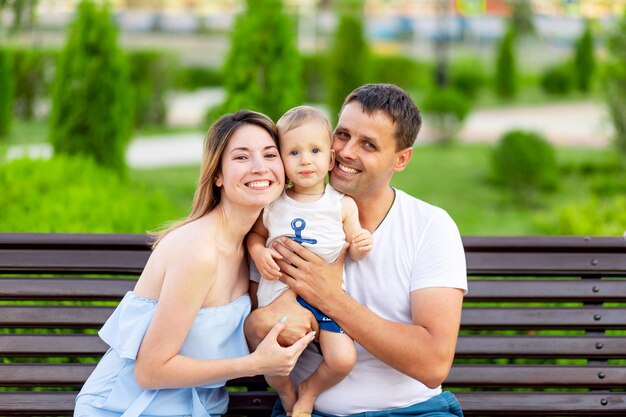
[{"x": 259, "y": 165}]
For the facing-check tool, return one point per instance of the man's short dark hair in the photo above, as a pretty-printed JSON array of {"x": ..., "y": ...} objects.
[{"x": 395, "y": 102}]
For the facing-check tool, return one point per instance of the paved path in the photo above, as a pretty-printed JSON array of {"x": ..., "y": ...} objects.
[{"x": 583, "y": 124}]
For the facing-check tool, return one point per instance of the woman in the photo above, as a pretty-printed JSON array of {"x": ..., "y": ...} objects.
[{"x": 178, "y": 335}]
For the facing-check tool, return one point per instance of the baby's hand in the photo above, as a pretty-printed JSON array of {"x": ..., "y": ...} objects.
[
  {"x": 265, "y": 264},
  {"x": 363, "y": 240}
]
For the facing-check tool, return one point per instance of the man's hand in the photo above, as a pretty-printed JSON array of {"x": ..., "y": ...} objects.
[
  {"x": 315, "y": 280},
  {"x": 299, "y": 321}
]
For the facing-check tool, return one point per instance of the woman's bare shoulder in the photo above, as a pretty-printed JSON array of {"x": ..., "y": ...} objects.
[{"x": 190, "y": 242}]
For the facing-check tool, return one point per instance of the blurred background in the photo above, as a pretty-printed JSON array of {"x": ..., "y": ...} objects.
[{"x": 104, "y": 105}]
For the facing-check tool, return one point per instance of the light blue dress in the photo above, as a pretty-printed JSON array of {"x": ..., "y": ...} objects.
[{"x": 111, "y": 390}]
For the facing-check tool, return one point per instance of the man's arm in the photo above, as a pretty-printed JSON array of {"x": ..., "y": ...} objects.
[{"x": 427, "y": 346}]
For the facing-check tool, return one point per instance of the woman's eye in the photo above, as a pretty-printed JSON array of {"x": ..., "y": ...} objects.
[
  {"x": 271, "y": 155},
  {"x": 241, "y": 157}
]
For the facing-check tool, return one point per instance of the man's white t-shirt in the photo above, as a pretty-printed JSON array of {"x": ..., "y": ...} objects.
[{"x": 416, "y": 246}]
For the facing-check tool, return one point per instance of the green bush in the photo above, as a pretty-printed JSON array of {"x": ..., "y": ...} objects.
[
  {"x": 524, "y": 162},
  {"x": 6, "y": 91},
  {"x": 558, "y": 80},
  {"x": 91, "y": 107},
  {"x": 151, "y": 76},
  {"x": 349, "y": 59},
  {"x": 584, "y": 59},
  {"x": 506, "y": 67},
  {"x": 195, "y": 77},
  {"x": 607, "y": 186},
  {"x": 467, "y": 75},
  {"x": 599, "y": 217},
  {"x": 73, "y": 194},
  {"x": 400, "y": 70},
  {"x": 445, "y": 110},
  {"x": 263, "y": 67},
  {"x": 615, "y": 82}
]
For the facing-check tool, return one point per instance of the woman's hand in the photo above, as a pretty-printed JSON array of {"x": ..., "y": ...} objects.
[{"x": 273, "y": 359}]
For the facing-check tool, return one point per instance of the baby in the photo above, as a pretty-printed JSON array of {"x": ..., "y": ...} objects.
[{"x": 320, "y": 218}]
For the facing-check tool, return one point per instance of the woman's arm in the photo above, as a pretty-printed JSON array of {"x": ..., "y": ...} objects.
[{"x": 159, "y": 365}]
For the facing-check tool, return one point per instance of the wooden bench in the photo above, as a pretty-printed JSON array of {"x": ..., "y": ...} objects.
[{"x": 543, "y": 328}]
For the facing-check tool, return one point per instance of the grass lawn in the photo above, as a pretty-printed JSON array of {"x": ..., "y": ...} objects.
[{"x": 455, "y": 178}]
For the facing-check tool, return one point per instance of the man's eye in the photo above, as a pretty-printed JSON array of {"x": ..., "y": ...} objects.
[{"x": 342, "y": 135}]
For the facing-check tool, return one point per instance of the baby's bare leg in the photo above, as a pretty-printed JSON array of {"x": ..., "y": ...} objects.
[
  {"x": 339, "y": 359},
  {"x": 285, "y": 389}
]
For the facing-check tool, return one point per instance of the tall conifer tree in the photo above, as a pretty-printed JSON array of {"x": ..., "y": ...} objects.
[
  {"x": 262, "y": 71},
  {"x": 91, "y": 108}
]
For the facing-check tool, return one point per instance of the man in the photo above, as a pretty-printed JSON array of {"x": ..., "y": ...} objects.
[{"x": 402, "y": 304}]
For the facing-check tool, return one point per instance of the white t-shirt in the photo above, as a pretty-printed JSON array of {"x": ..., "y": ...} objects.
[
  {"x": 416, "y": 246},
  {"x": 318, "y": 224}
]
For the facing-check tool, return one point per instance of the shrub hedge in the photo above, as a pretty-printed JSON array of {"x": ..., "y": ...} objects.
[{"x": 73, "y": 194}]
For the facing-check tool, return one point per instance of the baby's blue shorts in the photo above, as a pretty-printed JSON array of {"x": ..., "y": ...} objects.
[{"x": 325, "y": 322}]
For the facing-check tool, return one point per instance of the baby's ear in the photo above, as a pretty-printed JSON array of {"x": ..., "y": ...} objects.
[{"x": 332, "y": 160}]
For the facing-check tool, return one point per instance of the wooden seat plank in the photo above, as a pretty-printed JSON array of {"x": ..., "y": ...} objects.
[
  {"x": 586, "y": 317},
  {"x": 54, "y": 316},
  {"x": 537, "y": 404},
  {"x": 73, "y": 261},
  {"x": 75, "y": 288},
  {"x": 546, "y": 290},
  {"x": 535, "y": 376},
  {"x": 12, "y": 345},
  {"x": 489, "y": 346}
]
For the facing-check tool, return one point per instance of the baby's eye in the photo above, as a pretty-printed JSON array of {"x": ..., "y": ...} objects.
[
  {"x": 316, "y": 150},
  {"x": 294, "y": 153}
]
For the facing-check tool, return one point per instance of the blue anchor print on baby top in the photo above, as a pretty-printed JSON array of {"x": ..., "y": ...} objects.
[{"x": 298, "y": 226}]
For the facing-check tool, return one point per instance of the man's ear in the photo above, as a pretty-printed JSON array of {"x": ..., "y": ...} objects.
[
  {"x": 402, "y": 159},
  {"x": 332, "y": 160}
]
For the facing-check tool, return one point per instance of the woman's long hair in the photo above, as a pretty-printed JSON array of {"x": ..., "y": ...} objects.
[{"x": 207, "y": 194}]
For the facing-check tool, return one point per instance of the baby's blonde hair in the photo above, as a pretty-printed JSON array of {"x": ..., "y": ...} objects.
[{"x": 297, "y": 116}]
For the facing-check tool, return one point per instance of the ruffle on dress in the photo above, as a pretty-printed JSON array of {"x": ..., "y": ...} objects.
[{"x": 126, "y": 327}]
